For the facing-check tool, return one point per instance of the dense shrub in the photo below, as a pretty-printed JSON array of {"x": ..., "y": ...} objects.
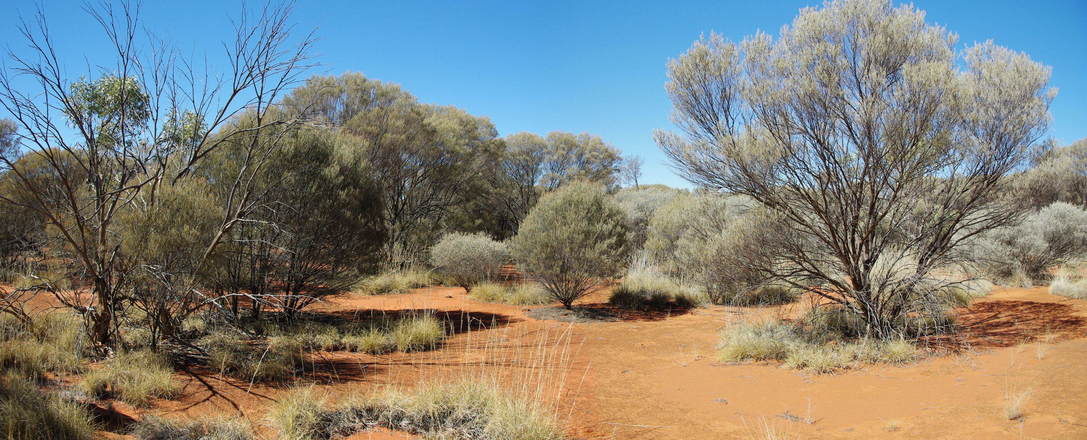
[
  {"x": 156, "y": 428},
  {"x": 574, "y": 238},
  {"x": 523, "y": 294},
  {"x": 27, "y": 413},
  {"x": 678, "y": 232},
  {"x": 135, "y": 377},
  {"x": 733, "y": 262},
  {"x": 1025, "y": 252},
  {"x": 468, "y": 259},
  {"x": 640, "y": 204}
]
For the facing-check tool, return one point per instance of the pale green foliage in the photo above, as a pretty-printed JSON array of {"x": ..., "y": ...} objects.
[
  {"x": 400, "y": 281},
  {"x": 27, "y": 413},
  {"x": 573, "y": 239},
  {"x": 803, "y": 349},
  {"x": 526, "y": 294},
  {"x": 136, "y": 377},
  {"x": 1051, "y": 236},
  {"x": 156, "y": 428},
  {"x": 1058, "y": 176},
  {"x": 643, "y": 288},
  {"x": 462, "y": 410},
  {"x": 640, "y": 204},
  {"x": 867, "y": 134},
  {"x": 678, "y": 232},
  {"x": 417, "y": 333},
  {"x": 468, "y": 258},
  {"x": 51, "y": 342},
  {"x": 1068, "y": 283}
]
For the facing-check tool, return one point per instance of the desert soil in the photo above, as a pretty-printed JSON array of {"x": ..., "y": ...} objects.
[{"x": 656, "y": 376}]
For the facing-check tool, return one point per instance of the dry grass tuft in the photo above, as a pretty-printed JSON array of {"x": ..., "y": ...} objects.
[
  {"x": 1068, "y": 283},
  {"x": 157, "y": 428},
  {"x": 395, "y": 282},
  {"x": 781, "y": 341},
  {"x": 1015, "y": 403},
  {"x": 136, "y": 377},
  {"x": 27, "y": 413},
  {"x": 529, "y": 294}
]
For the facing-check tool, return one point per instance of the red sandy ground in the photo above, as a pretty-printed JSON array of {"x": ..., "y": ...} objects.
[{"x": 657, "y": 377}]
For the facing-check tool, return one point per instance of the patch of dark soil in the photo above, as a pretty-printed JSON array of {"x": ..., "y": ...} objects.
[{"x": 994, "y": 324}]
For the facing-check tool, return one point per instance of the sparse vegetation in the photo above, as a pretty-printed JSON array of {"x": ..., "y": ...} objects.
[
  {"x": 522, "y": 294},
  {"x": 466, "y": 410},
  {"x": 136, "y": 377},
  {"x": 157, "y": 428}
]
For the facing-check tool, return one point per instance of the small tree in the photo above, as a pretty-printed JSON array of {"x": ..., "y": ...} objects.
[
  {"x": 468, "y": 258},
  {"x": 869, "y": 134},
  {"x": 573, "y": 238}
]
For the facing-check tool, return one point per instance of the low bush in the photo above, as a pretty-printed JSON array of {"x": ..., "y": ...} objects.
[
  {"x": 372, "y": 341},
  {"x": 468, "y": 259},
  {"x": 135, "y": 377},
  {"x": 276, "y": 360},
  {"x": 27, "y": 413},
  {"x": 50, "y": 343},
  {"x": 1024, "y": 253},
  {"x": 527, "y": 294},
  {"x": 1068, "y": 283},
  {"x": 157, "y": 428},
  {"x": 808, "y": 348},
  {"x": 644, "y": 290},
  {"x": 467, "y": 410},
  {"x": 416, "y": 333},
  {"x": 395, "y": 282}
]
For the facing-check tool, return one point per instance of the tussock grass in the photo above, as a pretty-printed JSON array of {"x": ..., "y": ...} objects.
[
  {"x": 136, "y": 377},
  {"x": 157, "y": 428},
  {"x": 1015, "y": 404},
  {"x": 50, "y": 343},
  {"x": 1068, "y": 283},
  {"x": 395, "y": 282},
  {"x": 528, "y": 294},
  {"x": 645, "y": 290},
  {"x": 417, "y": 333},
  {"x": 469, "y": 410},
  {"x": 276, "y": 360},
  {"x": 27, "y": 413},
  {"x": 799, "y": 349},
  {"x": 372, "y": 341}
]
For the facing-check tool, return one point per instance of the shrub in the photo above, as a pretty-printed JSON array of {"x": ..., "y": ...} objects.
[
  {"x": 1068, "y": 283},
  {"x": 157, "y": 428},
  {"x": 1025, "y": 252},
  {"x": 372, "y": 341},
  {"x": 733, "y": 261},
  {"x": 27, "y": 413},
  {"x": 572, "y": 239},
  {"x": 640, "y": 204},
  {"x": 644, "y": 289},
  {"x": 278, "y": 359},
  {"x": 136, "y": 377},
  {"x": 468, "y": 259},
  {"x": 395, "y": 282},
  {"x": 417, "y": 333},
  {"x": 527, "y": 294},
  {"x": 679, "y": 231}
]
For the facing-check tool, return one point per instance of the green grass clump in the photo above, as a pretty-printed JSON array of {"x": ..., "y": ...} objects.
[
  {"x": 646, "y": 290},
  {"x": 136, "y": 377},
  {"x": 372, "y": 341},
  {"x": 530, "y": 294},
  {"x": 806, "y": 349},
  {"x": 395, "y": 282},
  {"x": 157, "y": 428},
  {"x": 49, "y": 343},
  {"x": 279, "y": 358},
  {"x": 27, "y": 413},
  {"x": 468, "y": 410},
  {"x": 417, "y": 333},
  {"x": 317, "y": 336}
]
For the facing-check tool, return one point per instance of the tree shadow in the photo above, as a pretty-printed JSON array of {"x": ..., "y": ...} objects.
[
  {"x": 996, "y": 324},
  {"x": 604, "y": 312}
]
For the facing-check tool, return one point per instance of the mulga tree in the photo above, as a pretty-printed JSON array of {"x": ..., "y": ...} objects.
[
  {"x": 572, "y": 240},
  {"x": 870, "y": 134}
]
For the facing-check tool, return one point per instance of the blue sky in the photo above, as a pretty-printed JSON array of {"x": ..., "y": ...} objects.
[{"x": 577, "y": 66}]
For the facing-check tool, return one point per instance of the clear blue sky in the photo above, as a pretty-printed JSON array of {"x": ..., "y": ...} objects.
[{"x": 578, "y": 66}]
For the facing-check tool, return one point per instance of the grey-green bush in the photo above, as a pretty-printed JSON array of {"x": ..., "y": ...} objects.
[
  {"x": 468, "y": 259},
  {"x": 573, "y": 239},
  {"x": 1025, "y": 252}
]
